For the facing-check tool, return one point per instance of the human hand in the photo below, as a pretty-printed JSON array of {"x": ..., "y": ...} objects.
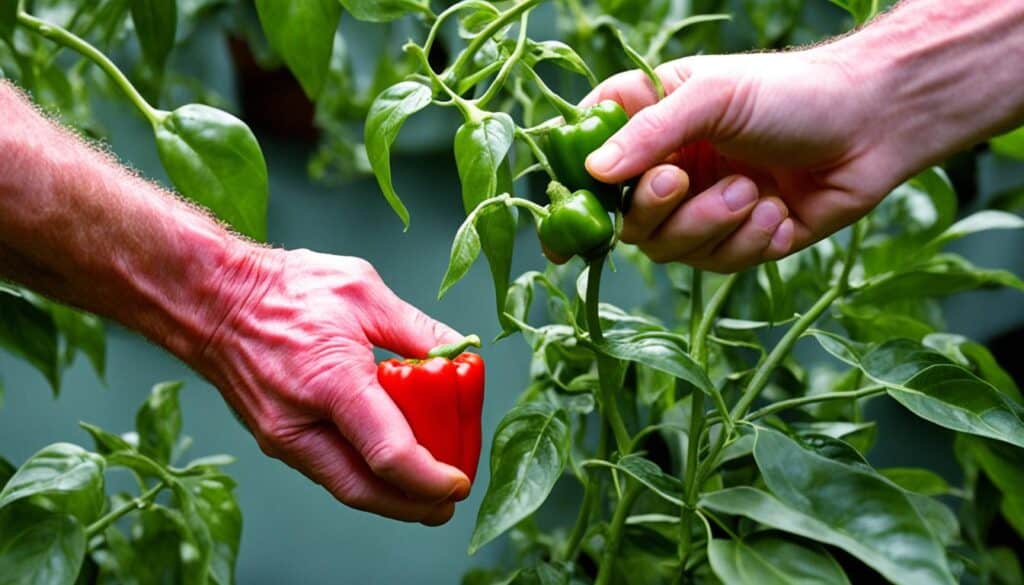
[
  {"x": 294, "y": 357},
  {"x": 748, "y": 158}
]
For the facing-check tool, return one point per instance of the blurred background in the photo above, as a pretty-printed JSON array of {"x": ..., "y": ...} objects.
[{"x": 294, "y": 532}]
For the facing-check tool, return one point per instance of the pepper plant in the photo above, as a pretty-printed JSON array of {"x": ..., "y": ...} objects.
[{"x": 717, "y": 432}]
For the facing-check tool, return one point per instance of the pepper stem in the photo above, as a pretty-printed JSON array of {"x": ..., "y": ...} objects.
[
  {"x": 558, "y": 193},
  {"x": 453, "y": 350}
]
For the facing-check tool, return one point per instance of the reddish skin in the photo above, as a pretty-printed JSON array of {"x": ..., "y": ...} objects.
[{"x": 443, "y": 401}]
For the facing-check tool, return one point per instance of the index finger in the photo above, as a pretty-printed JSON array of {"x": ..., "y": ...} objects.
[{"x": 631, "y": 89}]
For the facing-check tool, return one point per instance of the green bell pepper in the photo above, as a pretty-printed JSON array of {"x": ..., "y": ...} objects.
[
  {"x": 568, "y": 146},
  {"x": 577, "y": 224}
]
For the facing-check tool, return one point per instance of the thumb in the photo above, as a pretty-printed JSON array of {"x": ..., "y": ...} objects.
[
  {"x": 689, "y": 114},
  {"x": 401, "y": 328}
]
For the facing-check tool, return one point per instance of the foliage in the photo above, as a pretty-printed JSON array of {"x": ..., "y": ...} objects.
[{"x": 706, "y": 451}]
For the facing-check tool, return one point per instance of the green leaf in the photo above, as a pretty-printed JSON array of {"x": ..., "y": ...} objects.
[
  {"x": 158, "y": 422},
  {"x": 853, "y": 508},
  {"x": 8, "y": 18},
  {"x": 943, "y": 276},
  {"x": 1005, "y": 467},
  {"x": 772, "y": 558},
  {"x": 302, "y": 32},
  {"x": 39, "y": 546},
  {"x": 465, "y": 251},
  {"x": 1010, "y": 144},
  {"x": 932, "y": 387},
  {"x": 543, "y": 574},
  {"x": 214, "y": 159},
  {"x": 106, "y": 443},
  {"x": 7, "y": 471},
  {"x": 30, "y": 334},
  {"x": 659, "y": 350},
  {"x": 982, "y": 221},
  {"x": 384, "y": 10},
  {"x": 481, "y": 154},
  {"x": 860, "y": 10},
  {"x": 387, "y": 114},
  {"x": 977, "y": 357},
  {"x": 67, "y": 476},
  {"x": 920, "y": 481},
  {"x": 648, "y": 474},
  {"x": 156, "y": 24},
  {"x": 216, "y": 507},
  {"x": 529, "y": 453},
  {"x": 558, "y": 53}
]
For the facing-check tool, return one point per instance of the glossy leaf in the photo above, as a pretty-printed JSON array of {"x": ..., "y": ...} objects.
[
  {"x": 156, "y": 24},
  {"x": 30, "y": 334},
  {"x": 465, "y": 251},
  {"x": 1010, "y": 144},
  {"x": 481, "y": 154},
  {"x": 944, "y": 276},
  {"x": 649, "y": 475},
  {"x": 217, "y": 508},
  {"x": 771, "y": 558},
  {"x": 857, "y": 510},
  {"x": 560, "y": 54},
  {"x": 158, "y": 422},
  {"x": 529, "y": 453},
  {"x": 39, "y": 546},
  {"x": 384, "y": 10},
  {"x": 661, "y": 351},
  {"x": 982, "y": 221},
  {"x": 921, "y": 481},
  {"x": 302, "y": 32},
  {"x": 66, "y": 475},
  {"x": 977, "y": 357},
  {"x": 1005, "y": 467},
  {"x": 106, "y": 443},
  {"x": 387, "y": 114},
  {"x": 214, "y": 159}
]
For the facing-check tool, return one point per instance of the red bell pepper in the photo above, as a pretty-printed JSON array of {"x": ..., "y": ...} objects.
[{"x": 442, "y": 398}]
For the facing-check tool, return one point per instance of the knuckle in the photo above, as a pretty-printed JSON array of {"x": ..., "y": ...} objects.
[
  {"x": 388, "y": 457},
  {"x": 651, "y": 122}
]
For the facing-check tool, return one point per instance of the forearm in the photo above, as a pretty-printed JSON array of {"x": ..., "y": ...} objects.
[
  {"x": 948, "y": 73},
  {"x": 77, "y": 227}
]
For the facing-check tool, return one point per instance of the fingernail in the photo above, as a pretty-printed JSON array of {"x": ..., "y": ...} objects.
[
  {"x": 665, "y": 184},
  {"x": 783, "y": 236},
  {"x": 768, "y": 215},
  {"x": 606, "y": 158},
  {"x": 739, "y": 194}
]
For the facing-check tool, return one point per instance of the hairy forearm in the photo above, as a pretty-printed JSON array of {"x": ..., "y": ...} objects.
[
  {"x": 78, "y": 227},
  {"x": 948, "y": 73}
]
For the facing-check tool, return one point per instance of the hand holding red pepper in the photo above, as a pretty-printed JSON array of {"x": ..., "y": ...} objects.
[{"x": 442, "y": 398}]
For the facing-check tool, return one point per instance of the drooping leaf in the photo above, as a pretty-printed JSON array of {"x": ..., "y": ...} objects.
[
  {"x": 649, "y": 475},
  {"x": 302, "y": 32},
  {"x": 214, "y": 159},
  {"x": 30, "y": 334},
  {"x": 156, "y": 25},
  {"x": 387, "y": 114},
  {"x": 67, "y": 476},
  {"x": 659, "y": 350},
  {"x": 39, "y": 546},
  {"x": 384, "y": 10},
  {"x": 773, "y": 558},
  {"x": 158, "y": 422},
  {"x": 481, "y": 154},
  {"x": 529, "y": 453},
  {"x": 465, "y": 251}
]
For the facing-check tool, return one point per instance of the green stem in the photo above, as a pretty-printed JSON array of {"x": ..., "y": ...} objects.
[
  {"x": 614, "y": 540},
  {"x": 506, "y": 18},
  {"x": 606, "y": 366},
  {"x": 690, "y": 481},
  {"x": 785, "y": 345},
  {"x": 469, "y": 111},
  {"x": 539, "y": 212},
  {"x": 805, "y": 400},
  {"x": 67, "y": 39},
  {"x": 114, "y": 515},
  {"x": 714, "y": 307},
  {"x": 538, "y": 153},
  {"x": 453, "y": 350},
  {"x": 591, "y": 498},
  {"x": 468, "y": 83},
  {"x": 568, "y": 111},
  {"x": 696, "y": 314},
  {"x": 510, "y": 63},
  {"x": 446, "y": 14}
]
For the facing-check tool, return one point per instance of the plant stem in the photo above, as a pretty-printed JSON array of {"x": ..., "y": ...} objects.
[
  {"x": 542, "y": 158},
  {"x": 568, "y": 111},
  {"x": 692, "y": 489},
  {"x": 469, "y": 111},
  {"x": 805, "y": 400},
  {"x": 591, "y": 498},
  {"x": 114, "y": 515},
  {"x": 782, "y": 349},
  {"x": 70, "y": 40},
  {"x": 510, "y": 63},
  {"x": 700, "y": 337},
  {"x": 448, "y": 12},
  {"x": 606, "y": 366},
  {"x": 696, "y": 313},
  {"x": 614, "y": 539},
  {"x": 492, "y": 29}
]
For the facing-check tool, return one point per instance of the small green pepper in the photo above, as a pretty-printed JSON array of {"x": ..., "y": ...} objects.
[
  {"x": 576, "y": 225},
  {"x": 567, "y": 148}
]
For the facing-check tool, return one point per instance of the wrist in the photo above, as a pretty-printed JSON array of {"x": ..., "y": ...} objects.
[{"x": 944, "y": 76}]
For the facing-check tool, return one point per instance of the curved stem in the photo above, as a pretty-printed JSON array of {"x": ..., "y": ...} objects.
[
  {"x": 510, "y": 63},
  {"x": 467, "y": 83},
  {"x": 446, "y": 14},
  {"x": 539, "y": 212},
  {"x": 70, "y": 40},
  {"x": 714, "y": 307},
  {"x": 538, "y": 153},
  {"x": 469, "y": 111},
  {"x": 568, "y": 111},
  {"x": 606, "y": 366},
  {"x": 591, "y": 498},
  {"x": 805, "y": 400},
  {"x": 453, "y": 350},
  {"x": 614, "y": 540},
  {"x": 492, "y": 29},
  {"x": 114, "y": 515}
]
